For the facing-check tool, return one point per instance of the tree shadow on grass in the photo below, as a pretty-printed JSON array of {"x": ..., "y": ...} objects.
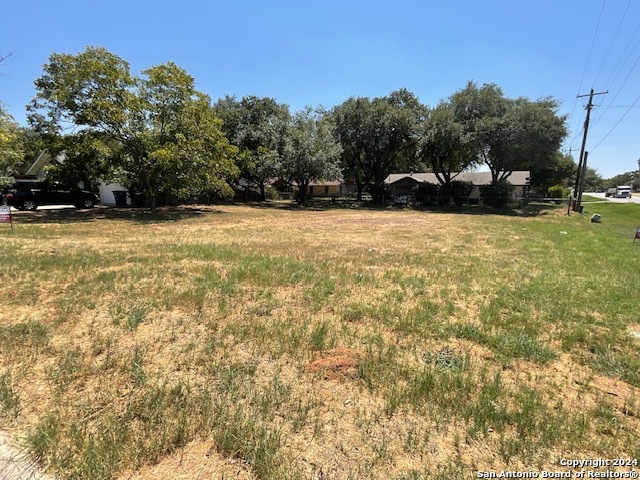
[
  {"x": 311, "y": 205},
  {"x": 186, "y": 212},
  {"x": 135, "y": 215},
  {"x": 530, "y": 210}
]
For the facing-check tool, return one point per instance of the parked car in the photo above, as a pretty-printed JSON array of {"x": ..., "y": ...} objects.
[{"x": 31, "y": 194}]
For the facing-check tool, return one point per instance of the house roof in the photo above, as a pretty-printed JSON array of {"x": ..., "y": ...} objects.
[
  {"x": 519, "y": 177},
  {"x": 323, "y": 183},
  {"x": 326, "y": 183},
  {"x": 42, "y": 161}
]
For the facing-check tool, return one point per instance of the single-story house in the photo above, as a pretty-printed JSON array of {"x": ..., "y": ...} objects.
[
  {"x": 405, "y": 183},
  {"x": 326, "y": 188},
  {"x": 318, "y": 188}
]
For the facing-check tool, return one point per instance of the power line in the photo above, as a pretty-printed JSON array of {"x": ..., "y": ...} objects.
[
  {"x": 609, "y": 81},
  {"x": 593, "y": 41},
  {"x": 606, "y": 55},
  {"x": 618, "y": 123},
  {"x": 618, "y": 92},
  {"x": 616, "y": 72},
  {"x": 618, "y": 106},
  {"x": 575, "y": 138},
  {"x": 604, "y": 2}
]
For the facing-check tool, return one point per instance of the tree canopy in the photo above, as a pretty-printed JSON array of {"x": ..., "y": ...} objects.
[
  {"x": 350, "y": 120},
  {"x": 379, "y": 136},
  {"x": 11, "y": 148},
  {"x": 311, "y": 152},
  {"x": 627, "y": 178},
  {"x": 446, "y": 145},
  {"x": 509, "y": 134},
  {"x": 258, "y": 127},
  {"x": 560, "y": 169},
  {"x": 158, "y": 136},
  {"x": 163, "y": 135}
]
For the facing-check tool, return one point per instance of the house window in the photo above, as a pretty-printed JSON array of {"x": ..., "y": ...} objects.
[
  {"x": 311, "y": 190},
  {"x": 326, "y": 190}
]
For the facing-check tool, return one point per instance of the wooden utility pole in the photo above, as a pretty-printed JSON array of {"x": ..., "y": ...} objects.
[
  {"x": 582, "y": 176},
  {"x": 577, "y": 191}
]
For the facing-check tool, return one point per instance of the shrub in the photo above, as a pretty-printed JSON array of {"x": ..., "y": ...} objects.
[
  {"x": 498, "y": 194},
  {"x": 427, "y": 193},
  {"x": 558, "y": 191},
  {"x": 460, "y": 191},
  {"x": 271, "y": 193}
]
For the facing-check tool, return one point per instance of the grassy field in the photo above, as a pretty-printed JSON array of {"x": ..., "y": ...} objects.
[{"x": 276, "y": 343}]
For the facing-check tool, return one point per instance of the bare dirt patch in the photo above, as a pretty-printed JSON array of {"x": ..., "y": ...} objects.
[
  {"x": 634, "y": 331},
  {"x": 337, "y": 364}
]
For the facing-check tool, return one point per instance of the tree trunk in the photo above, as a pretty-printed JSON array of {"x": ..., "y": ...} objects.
[
  {"x": 444, "y": 177},
  {"x": 494, "y": 174},
  {"x": 263, "y": 195},
  {"x": 302, "y": 193},
  {"x": 134, "y": 197},
  {"x": 378, "y": 194},
  {"x": 151, "y": 193}
]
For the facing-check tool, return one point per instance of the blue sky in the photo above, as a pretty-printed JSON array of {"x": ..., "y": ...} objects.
[{"x": 312, "y": 52}]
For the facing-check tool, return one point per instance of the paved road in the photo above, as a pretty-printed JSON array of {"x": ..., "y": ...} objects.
[{"x": 634, "y": 199}]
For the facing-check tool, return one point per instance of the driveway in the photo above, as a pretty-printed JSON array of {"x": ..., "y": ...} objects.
[{"x": 48, "y": 207}]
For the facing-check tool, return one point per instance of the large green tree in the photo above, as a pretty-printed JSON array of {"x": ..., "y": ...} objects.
[
  {"x": 380, "y": 136},
  {"x": 627, "y": 178},
  {"x": 311, "y": 152},
  {"x": 351, "y": 119},
  {"x": 446, "y": 145},
  {"x": 558, "y": 170},
  {"x": 593, "y": 181},
  {"x": 163, "y": 135},
  {"x": 258, "y": 127},
  {"x": 11, "y": 148},
  {"x": 509, "y": 134}
]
